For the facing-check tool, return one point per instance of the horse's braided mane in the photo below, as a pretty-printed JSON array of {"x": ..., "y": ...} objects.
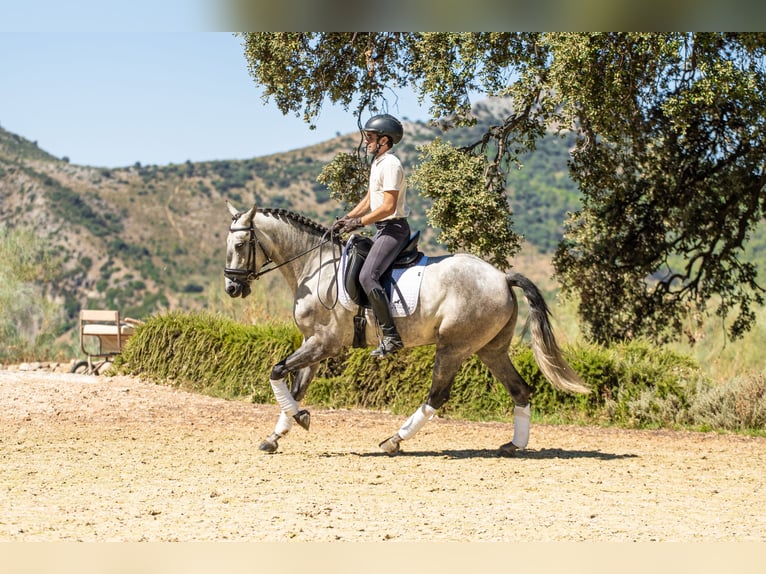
[{"x": 312, "y": 225}]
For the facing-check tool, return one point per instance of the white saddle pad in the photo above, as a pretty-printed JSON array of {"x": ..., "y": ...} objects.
[{"x": 404, "y": 290}]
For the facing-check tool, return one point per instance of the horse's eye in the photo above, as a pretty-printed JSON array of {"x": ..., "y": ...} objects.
[{"x": 239, "y": 245}]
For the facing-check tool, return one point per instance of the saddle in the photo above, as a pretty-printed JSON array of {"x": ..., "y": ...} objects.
[{"x": 356, "y": 252}]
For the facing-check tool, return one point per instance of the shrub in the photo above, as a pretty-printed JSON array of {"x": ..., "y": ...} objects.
[
  {"x": 739, "y": 405},
  {"x": 30, "y": 318},
  {"x": 633, "y": 384},
  {"x": 209, "y": 354}
]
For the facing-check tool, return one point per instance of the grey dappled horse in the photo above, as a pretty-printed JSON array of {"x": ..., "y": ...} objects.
[{"x": 465, "y": 306}]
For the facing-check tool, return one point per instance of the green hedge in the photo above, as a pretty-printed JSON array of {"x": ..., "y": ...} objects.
[
  {"x": 208, "y": 354},
  {"x": 634, "y": 384}
]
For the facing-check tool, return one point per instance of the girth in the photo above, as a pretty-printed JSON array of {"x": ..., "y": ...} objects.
[{"x": 357, "y": 250}]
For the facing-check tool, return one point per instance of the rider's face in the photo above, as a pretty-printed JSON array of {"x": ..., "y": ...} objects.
[{"x": 371, "y": 141}]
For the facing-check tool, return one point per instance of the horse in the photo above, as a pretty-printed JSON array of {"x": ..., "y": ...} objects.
[{"x": 465, "y": 306}]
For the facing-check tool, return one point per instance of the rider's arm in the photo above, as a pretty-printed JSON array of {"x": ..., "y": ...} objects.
[
  {"x": 385, "y": 209},
  {"x": 362, "y": 207}
]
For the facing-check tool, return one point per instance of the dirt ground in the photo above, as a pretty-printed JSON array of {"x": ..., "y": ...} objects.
[{"x": 117, "y": 459}]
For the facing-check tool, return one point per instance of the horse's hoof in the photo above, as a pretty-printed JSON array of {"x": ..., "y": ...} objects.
[
  {"x": 391, "y": 444},
  {"x": 509, "y": 449},
  {"x": 270, "y": 444},
  {"x": 303, "y": 418}
]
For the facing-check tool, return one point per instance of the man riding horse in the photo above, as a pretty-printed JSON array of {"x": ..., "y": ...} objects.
[
  {"x": 384, "y": 205},
  {"x": 463, "y": 306}
]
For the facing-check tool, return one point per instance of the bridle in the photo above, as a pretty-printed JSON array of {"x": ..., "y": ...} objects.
[{"x": 249, "y": 272}]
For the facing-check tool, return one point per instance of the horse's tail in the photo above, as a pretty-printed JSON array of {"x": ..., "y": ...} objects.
[{"x": 544, "y": 346}]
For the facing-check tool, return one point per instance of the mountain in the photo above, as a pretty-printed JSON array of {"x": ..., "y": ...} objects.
[{"x": 147, "y": 238}]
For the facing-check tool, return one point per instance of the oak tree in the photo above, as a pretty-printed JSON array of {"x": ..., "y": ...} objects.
[{"x": 670, "y": 135}]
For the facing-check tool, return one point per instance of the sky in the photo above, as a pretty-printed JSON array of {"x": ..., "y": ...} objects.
[
  {"x": 110, "y": 83},
  {"x": 111, "y": 99}
]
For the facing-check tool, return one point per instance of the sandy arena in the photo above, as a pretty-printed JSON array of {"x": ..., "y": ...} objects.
[{"x": 88, "y": 458}]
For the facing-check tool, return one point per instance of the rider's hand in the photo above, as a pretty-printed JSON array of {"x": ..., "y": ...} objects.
[
  {"x": 339, "y": 224},
  {"x": 352, "y": 224}
]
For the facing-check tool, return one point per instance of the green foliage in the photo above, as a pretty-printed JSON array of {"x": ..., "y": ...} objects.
[
  {"x": 232, "y": 174},
  {"x": 470, "y": 216},
  {"x": 29, "y": 318},
  {"x": 625, "y": 372},
  {"x": 19, "y": 147},
  {"x": 284, "y": 63},
  {"x": 347, "y": 177},
  {"x": 633, "y": 384},
  {"x": 542, "y": 194},
  {"x": 670, "y": 138},
  {"x": 208, "y": 353},
  {"x": 670, "y": 167}
]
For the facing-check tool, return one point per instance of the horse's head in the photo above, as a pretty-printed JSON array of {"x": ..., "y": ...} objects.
[{"x": 244, "y": 253}]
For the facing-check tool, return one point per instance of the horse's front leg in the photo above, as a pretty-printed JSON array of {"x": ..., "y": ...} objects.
[
  {"x": 305, "y": 361},
  {"x": 302, "y": 380}
]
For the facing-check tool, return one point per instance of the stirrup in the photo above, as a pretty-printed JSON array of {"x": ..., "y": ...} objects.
[{"x": 388, "y": 346}]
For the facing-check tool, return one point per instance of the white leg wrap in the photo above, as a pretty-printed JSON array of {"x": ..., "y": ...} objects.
[
  {"x": 284, "y": 424},
  {"x": 285, "y": 400},
  {"x": 419, "y": 418},
  {"x": 521, "y": 426}
]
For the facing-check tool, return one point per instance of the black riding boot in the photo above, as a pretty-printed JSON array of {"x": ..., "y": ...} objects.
[{"x": 391, "y": 342}]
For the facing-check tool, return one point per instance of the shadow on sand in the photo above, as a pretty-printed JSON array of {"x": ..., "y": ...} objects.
[{"x": 541, "y": 454}]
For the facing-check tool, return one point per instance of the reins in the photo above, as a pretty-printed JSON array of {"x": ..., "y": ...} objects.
[
  {"x": 249, "y": 272},
  {"x": 335, "y": 265}
]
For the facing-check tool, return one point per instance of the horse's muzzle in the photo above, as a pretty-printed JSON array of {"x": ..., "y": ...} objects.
[{"x": 237, "y": 288}]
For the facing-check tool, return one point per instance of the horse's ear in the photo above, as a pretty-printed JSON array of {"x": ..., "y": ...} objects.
[
  {"x": 247, "y": 217},
  {"x": 236, "y": 214}
]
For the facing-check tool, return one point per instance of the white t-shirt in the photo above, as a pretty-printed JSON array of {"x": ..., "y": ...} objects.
[{"x": 386, "y": 174}]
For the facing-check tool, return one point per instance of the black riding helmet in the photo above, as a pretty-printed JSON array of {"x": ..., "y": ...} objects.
[{"x": 385, "y": 125}]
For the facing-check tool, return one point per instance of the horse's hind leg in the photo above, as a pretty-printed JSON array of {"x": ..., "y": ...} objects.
[
  {"x": 446, "y": 364},
  {"x": 502, "y": 368}
]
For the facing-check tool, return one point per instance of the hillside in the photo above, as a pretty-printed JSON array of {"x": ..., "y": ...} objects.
[
  {"x": 148, "y": 238},
  {"x": 144, "y": 239}
]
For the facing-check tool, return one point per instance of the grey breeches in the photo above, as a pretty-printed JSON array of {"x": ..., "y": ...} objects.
[{"x": 390, "y": 239}]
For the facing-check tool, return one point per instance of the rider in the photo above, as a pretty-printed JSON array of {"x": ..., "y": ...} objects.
[{"x": 385, "y": 206}]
